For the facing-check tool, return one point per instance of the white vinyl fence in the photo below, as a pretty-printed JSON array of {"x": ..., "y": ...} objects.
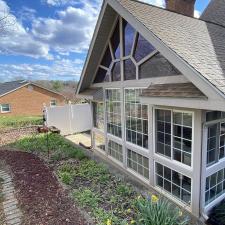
[{"x": 70, "y": 119}]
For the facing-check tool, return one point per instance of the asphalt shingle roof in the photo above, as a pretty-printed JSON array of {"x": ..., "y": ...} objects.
[
  {"x": 174, "y": 90},
  {"x": 10, "y": 86},
  {"x": 215, "y": 12},
  {"x": 199, "y": 43}
]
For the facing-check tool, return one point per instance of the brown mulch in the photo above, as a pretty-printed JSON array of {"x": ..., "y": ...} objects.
[
  {"x": 42, "y": 199},
  {"x": 8, "y": 136}
]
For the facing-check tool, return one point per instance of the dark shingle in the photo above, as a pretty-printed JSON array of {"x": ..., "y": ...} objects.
[
  {"x": 10, "y": 86},
  {"x": 175, "y": 90},
  {"x": 215, "y": 12}
]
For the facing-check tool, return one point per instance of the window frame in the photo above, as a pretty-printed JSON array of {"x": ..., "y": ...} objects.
[
  {"x": 163, "y": 157},
  {"x": 9, "y": 107},
  {"x": 106, "y": 112},
  {"x": 54, "y": 104},
  {"x": 127, "y": 143},
  {"x": 167, "y": 194}
]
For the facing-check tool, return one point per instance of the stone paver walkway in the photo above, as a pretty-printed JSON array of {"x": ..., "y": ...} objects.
[{"x": 12, "y": 213}]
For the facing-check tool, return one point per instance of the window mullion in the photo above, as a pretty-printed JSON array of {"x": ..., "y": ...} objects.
[{"x": 217, "y": 142}]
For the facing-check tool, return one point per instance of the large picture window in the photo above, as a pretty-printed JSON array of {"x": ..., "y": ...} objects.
[
  {"x": 138, "y": 163},
  {"x": 113, "y": 111},
  {"x": 215, "y": 186},
  {"x": 98, "y": 115},
  {"x": 136, "y": 118},
  {"x": 174, "y": 135},
  {"x": 176, "y": 184}
]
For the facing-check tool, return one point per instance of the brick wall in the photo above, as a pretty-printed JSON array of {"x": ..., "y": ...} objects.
[{"x": 29, "y": 101}]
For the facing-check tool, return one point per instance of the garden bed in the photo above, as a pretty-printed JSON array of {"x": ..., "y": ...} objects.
[{"x": 104, "y": 196}]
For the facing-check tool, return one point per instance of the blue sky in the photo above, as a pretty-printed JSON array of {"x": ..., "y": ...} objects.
[{"x": 49, "y": 39}]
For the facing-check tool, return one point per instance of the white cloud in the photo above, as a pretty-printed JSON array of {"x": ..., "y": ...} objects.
[
  {"x": 60, "y": 69},
  {"x": 160, "y": 3},
  {"x": 197, "y": 14},
  {"x": 71, "y": 31},
  {"x": 15, "y": 39}
]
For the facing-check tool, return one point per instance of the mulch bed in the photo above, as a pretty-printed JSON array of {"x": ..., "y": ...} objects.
[
  {"x": 42, "y": 199},
  {"x": 8, "y": 136}
]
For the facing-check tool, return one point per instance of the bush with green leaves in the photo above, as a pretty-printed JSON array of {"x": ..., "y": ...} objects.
[{"x": 157, "y": 211}]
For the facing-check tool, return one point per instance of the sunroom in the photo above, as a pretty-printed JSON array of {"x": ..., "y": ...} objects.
[{"x": 155, "y": 117}]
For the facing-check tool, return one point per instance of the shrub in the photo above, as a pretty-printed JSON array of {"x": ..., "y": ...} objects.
[{"x": 156, "y": 211}]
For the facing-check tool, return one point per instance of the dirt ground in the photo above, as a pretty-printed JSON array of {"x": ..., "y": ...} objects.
[
  {"x": 41, "y": 198},
  {"x": 10, "y": 135}
]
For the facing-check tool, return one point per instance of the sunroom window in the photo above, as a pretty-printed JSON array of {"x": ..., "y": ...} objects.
[
  {"x": 176, "y": 184},
  {"x": 113, "y": 112},
  {"x": 98, "y": 115},
  {"x": 138, "y": 163},
  {"x": 216, "y": 137},
  {"x": 136, "y": 118},
  {"x": 140, "y": 59},
  {"x": 215, "y": 186},
  {"x": 115, "y": 150},
  {"x": 174, "y": 135}
]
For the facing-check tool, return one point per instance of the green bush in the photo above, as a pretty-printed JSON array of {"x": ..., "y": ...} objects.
[{"x": 156, "y": 211}]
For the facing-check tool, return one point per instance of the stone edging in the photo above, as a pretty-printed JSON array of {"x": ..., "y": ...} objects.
[{"x": 13, "y": 215}]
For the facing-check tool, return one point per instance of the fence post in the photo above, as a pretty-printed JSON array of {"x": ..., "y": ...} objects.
[{"x": 70, "y": 117}]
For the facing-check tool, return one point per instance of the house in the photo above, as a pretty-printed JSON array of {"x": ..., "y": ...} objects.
[
  {"x": 156, "y": 81},
  {"x": 26, "y": 98}
]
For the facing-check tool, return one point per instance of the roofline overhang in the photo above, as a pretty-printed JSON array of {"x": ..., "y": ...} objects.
[
  {"x": 191, "y": 74},
  {"x": 102, "y": 11},
  {"x": 30, "y": 83},
  {"x": 9, "y": 92},
  {"x": 191, "y": 103}
]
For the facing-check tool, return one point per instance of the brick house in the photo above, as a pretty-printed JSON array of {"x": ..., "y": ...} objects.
[
  {"x": 156, "y": 80},
  {"x": 26, "y": 98}
]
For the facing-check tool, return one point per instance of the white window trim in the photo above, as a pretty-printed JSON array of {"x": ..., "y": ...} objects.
[
  {"x": 170, "y": 196},
  {"x": 2, "y": 108},
  {"x": 127, "y": 143},
  {"x": 192, "y": 141}
]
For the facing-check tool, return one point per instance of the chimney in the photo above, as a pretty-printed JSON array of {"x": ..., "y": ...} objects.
[{"x": 185, "y": 7}]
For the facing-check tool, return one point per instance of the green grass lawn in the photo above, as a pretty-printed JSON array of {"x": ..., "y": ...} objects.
[{"x": 19, "y": 121}]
